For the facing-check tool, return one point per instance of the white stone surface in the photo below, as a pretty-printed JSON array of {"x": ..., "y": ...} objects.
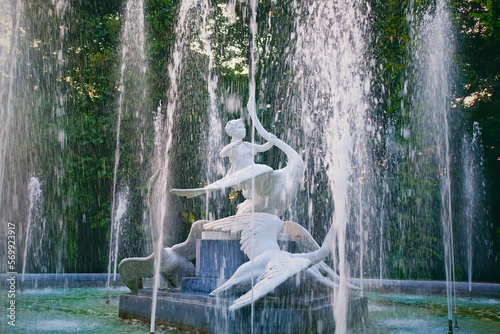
[{"x": 256, "y": 224}]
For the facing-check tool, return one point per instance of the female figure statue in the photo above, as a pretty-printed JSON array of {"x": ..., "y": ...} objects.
[{"x": 239, "y": 152}]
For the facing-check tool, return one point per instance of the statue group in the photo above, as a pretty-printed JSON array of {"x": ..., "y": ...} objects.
[{"x": 268, "y": 194}]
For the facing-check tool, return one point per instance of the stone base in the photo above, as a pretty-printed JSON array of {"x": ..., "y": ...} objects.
[
  {"x": 196, "y": 311},
  {"x": 291, "y": 309}
]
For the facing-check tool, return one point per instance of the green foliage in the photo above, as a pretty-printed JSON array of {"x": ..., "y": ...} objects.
[
  {"x": 74, "y": 85},
  {"x": 160, "y": 19},
  {"x": 479, "y": 39},
  {"x": 72, "y": 59}
]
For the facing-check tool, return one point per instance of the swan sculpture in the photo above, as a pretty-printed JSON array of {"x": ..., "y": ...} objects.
[
  {"x": 270, "y": 266},
  {"x": 175, "y": 263}
]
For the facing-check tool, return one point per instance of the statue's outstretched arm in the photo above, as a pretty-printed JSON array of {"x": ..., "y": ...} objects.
[{"x": 237, "y": 180}]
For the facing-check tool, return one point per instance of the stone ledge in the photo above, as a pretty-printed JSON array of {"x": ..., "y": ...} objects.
[
  {"x": 40, "y": 281},
  {"x": 201, "y": 284},
  {"x": 438, "y": 288}
]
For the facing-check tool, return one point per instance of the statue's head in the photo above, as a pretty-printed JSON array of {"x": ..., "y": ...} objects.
[{"x": 236, "y": 128}]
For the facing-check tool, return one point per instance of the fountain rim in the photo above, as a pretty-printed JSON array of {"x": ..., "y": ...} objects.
[{"x": 424, "y": 287}]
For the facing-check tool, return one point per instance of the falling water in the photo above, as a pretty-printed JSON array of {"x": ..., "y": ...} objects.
[
  {"x": 468, "y": 169},
  {"x": 26, "y": 130},
  {"x": 35, "y": 199},
  {"x": 214, "y": 168},
  {"x": 9, "y": 27},
  {"x": 385, "y": 202},
  {"x": 162, "y": 148},
  {"x": 132, "y": 92},
  {"x": 473, "y": 188},
  {"x": 119, "y": 215},
  {"x": 332, "y": 72},
  {"x": 252, "y": 109},
  {"x": 432, "y": 61}
]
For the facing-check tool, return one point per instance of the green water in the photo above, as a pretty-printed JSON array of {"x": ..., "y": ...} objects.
[
  {"x": 396, "y": 313},
  {"x": 84, "y": 310},
  {"x": 75, "y": 310}
]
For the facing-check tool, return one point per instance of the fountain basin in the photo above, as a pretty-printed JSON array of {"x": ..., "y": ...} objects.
[
  {"x": 84, "y": 309},
  {"x": 273, "y": 314},
  {"x": 295, "y": 307},
  {"x": 436, "y": 288},
  {"x": 40, "y": 281}
]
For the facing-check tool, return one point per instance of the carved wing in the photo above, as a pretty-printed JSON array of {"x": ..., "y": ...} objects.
[
  {"x": 187, "y": 249},
  {"x": 281, "y": 267},
  {"x": 233, "y": 224},
  {"x": 238, "y": 180},
  {"x": 256, "y": 238},
  {"x": 319, "y": 275},
  {"x": 305, "y": 243}
]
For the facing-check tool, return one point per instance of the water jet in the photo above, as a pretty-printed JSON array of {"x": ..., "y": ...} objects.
[{"x": 356, "y": 131}]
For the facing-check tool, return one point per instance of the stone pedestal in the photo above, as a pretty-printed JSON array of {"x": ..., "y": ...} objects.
[
  {"x": 217, "y": 258},
  {"x": 271, "y": 314}
]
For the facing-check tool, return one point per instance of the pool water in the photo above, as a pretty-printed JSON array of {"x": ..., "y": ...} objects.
[
  {"x": 74, "y": 310},
  {"x": 84, "y": 310},
  {"x": 396, "y": 313}
]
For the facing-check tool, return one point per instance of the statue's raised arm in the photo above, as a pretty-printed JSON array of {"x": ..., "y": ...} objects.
[
  {"x": 241, "y": 156},
  {"x": 275, "y": 192},
  {"x": 274, "y": 189},
  {"x": 295, "y": 161}
]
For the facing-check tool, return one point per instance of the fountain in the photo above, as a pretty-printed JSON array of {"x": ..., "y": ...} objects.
[
  {"x": 131, "y": 100},
  {"x": 473, "y": 195},
  {"x": 333, "y": 72},
  {"x": 334, "y": 203},
  {"x": 35, "y": 223},
  {"x": 258, "y": 229},
  {"x": 266, "y": 191},
  {"x": 433, "y": 67}
]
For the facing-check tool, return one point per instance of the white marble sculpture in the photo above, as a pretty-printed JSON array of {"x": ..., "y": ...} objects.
[
  {"x": 274, "y": 190},
  {"x": 269, "y": 266},
  {"x": 243, "y": 168},
  {"x": 256, "y": 222},
  {"x": 175, "y": 263},
  {"x": 239, "y": 152}
]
